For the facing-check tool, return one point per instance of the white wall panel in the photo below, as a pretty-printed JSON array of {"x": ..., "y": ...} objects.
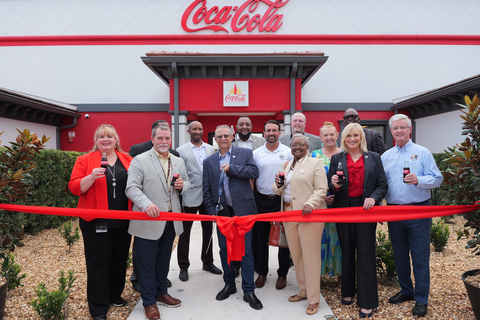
[
  {"x": 10, "y": 134},
  {"x": 439, "y": 132},
  {"x": 114, "y": 17},
  {"x": 116, "y": 74}
]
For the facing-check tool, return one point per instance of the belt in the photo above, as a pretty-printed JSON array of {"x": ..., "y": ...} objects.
[
  {"x": 408, "y": 204},
  {"x": 268, "y": 196}
]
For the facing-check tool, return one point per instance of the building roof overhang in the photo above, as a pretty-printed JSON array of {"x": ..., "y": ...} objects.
[
  {"x": 26, "y": 107},
  {"x": 439, "y": 100},
  {"x": 195, "y": 65}
]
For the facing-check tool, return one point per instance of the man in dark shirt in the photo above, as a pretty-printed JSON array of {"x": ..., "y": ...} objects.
[{"x": 374, "y": 139}]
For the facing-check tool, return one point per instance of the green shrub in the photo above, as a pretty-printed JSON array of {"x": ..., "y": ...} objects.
[
  {"x": 11, "y": 270},
  {"x": 50, "y": 188},
  {"x": 439, "y": 235},
  {"x": 50, "y": 305},
  {"x": 384, "y": 257},
  {"x": 66, "y": 233}
]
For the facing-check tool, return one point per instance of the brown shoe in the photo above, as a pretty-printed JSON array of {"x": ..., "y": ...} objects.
[
  {"x": 151, "y": 312},
  {"x": 296, "y": 298},
  {"x": 260, "y": 282},
  {"x": 281, "y": 283},
  {"x": 168, "y": 301}
]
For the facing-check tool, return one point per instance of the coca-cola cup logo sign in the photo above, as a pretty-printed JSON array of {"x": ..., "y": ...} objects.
[
  {"x": 235, "y": 93},
  {"x": 251, "y": 15}
]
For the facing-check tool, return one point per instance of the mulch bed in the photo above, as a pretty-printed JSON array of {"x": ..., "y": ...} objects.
[{"x": 45, "y": 254}]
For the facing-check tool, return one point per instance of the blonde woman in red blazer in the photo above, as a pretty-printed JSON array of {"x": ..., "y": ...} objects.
[{"x": 106, "y": 241}]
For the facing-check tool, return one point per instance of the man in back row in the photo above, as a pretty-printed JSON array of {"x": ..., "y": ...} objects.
[
  {"x": 298, "y": 124},
  {"x": 375, "y": 142}
]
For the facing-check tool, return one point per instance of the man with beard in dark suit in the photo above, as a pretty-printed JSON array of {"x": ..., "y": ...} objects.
[{"x": 374, "y": 139}]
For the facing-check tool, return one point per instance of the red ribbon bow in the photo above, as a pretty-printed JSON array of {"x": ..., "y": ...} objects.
[{"x": 234, "y": 229}]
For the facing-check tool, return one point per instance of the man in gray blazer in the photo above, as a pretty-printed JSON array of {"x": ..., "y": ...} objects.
[
  {"x": 244, "y": 138},
  {"x": 193, "y": 153},
  {"x": 149, "y": 188},
  {"x": 298, "y": 123}
]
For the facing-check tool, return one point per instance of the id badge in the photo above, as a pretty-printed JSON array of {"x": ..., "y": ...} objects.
[{"x": 101, "y": 228}]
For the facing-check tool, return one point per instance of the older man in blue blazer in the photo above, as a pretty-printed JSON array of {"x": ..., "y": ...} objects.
[{"x": 227, "y": 192}]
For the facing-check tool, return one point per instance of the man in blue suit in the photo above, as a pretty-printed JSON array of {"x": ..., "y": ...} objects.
[{"x": 227, "y": 192}]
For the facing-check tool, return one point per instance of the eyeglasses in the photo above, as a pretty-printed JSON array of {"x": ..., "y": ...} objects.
[
  {"x": 224, "y": 136},
  {"x": 301, "y": 145},
  {"x": 399, "y": 128},
  {"x": 350, "y": 116}
]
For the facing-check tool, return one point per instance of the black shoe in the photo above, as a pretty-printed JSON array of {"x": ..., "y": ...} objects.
[
  {"x": 226, "y": 292},
  {"x": 399, "y": 298},
  {"x": 366, "y": 315},
  {"x": 119, "y": 302},
  {"x": 136, "y": 286},
  {"x": 183, "y": 276},
  {"x": 169, "y": 283},
  {"x": 346, "y": 302},
  {"x": 253, "y": 301},
  {"x": 420, "y": 309},
  {"x": 237, "y": 271},
  {"x": 211, "y": 268},
  {"x": 99, "y": 317}
]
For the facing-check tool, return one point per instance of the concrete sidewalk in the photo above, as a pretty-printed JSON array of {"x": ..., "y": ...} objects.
[{"x": 198, "y": 293}]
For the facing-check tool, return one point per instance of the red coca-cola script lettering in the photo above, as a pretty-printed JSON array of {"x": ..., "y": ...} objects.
[
  {"x": 269, "y": 21},
  {"x": 235, "y": 97}
]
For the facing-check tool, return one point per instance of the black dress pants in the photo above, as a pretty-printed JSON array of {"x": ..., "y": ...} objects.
[
  {"x": 358, "y": 241},
  {"x": 183, "y": 247},
  {"x": 265, "y": 205},
  {"x": 106, "y": 260}
]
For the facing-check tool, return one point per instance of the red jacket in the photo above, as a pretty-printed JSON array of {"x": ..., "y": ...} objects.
[{"x": 96, "y": 197}]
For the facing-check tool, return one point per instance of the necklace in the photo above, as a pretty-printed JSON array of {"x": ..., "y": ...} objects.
[{"x": 114, "y": 183}]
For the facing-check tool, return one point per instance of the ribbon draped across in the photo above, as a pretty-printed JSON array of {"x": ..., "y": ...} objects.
[{"x": 235, "y": 228}]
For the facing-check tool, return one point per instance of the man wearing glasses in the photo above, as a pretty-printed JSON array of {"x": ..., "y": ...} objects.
[
  {"x": 374, "y": 139},
  {"x": 227, "y": 192}
]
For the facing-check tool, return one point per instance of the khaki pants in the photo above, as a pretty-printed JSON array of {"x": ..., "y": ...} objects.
[{"x": 304, "y": 241}]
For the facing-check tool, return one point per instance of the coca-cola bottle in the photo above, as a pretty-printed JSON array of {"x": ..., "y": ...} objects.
[
  {"x": 406, "y": 170},
  {"x": 174, "y": 178},
  {"x": 340, "y": 173},
  {"x": 281, "y": 175},
  {"x": 104, "y": 162}
]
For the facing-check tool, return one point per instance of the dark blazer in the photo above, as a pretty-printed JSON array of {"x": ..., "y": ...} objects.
[
  {"x": 137, "y": 149},
  {"x": 242, "y": 169},
  {"x": 375, "y": 183}
]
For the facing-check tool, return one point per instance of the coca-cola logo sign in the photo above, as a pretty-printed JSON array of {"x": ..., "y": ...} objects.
[
  {"x": 235, "y": 93},
  {"x": 251, "y": 15}
]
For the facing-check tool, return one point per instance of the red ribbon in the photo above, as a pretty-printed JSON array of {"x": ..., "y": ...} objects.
[{"x": 235, "y": 228}]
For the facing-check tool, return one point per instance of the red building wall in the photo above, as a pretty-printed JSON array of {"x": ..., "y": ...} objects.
[{"x": 132, "y": 128}]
